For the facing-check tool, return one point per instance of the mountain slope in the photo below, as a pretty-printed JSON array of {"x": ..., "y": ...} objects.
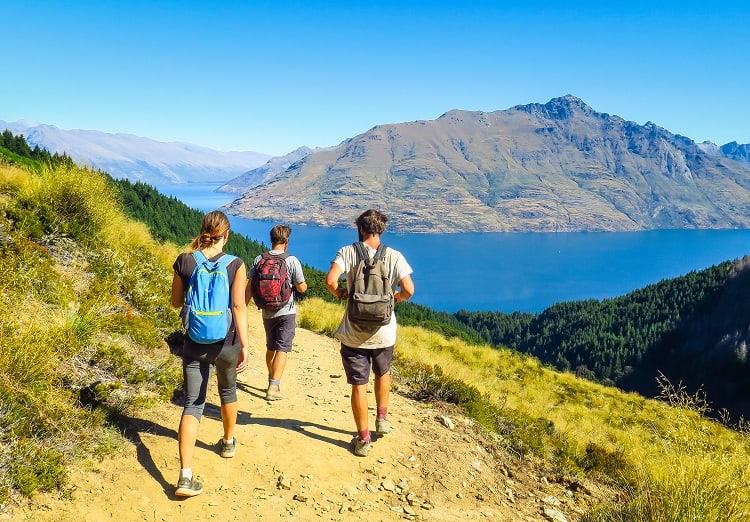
[
  {"x": 560, "y": 166},
  {"x": 267, "y": 171},
  {"x": 137, "y": 158}
]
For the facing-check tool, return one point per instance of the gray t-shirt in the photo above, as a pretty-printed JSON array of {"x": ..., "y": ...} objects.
[
  {"x": 356, "y": 336},
  {"x": 294, "y": 268}
]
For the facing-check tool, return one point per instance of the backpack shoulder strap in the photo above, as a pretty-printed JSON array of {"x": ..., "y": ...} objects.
[
  {"x": 199, "y": 257},
  {"x": 226, "y": 259},
  {"x": 380, "y": 252},
  {"x": 359, "y": 247}
]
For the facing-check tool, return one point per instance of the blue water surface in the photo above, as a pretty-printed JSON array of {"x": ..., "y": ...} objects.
[{"x": 509, "y": 272}]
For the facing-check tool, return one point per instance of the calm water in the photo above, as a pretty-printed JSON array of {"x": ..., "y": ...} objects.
[{"x": 511, "y": 271}]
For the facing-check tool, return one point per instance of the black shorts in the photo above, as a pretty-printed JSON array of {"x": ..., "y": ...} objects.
[{"x": 358, "y": 361}]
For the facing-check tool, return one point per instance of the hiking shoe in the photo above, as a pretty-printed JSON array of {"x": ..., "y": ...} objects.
[
  {"x": 227, "y": 448},
  {"x": 188, "y": 487},
  {"x": 361, "y": 447},
  {"x": 273, "y": 393},
  {"x": 383, "y": 426}
]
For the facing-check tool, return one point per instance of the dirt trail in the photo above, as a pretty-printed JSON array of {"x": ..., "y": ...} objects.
[{"x": 294, "y": 461}]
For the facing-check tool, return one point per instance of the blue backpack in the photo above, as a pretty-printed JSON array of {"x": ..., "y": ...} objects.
[{"x": 206, "y": 314}]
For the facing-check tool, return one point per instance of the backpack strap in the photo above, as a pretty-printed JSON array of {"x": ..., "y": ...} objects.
[
  {"x": 359, "y": 247},
  {"x": 199, "y": 257},
  {"x": 380, "y": 252}
]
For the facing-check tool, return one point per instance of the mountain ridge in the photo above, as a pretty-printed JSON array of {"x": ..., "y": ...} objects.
[
  {"x": 559, "y": 166},
  {"x": 137, "y": 158}
]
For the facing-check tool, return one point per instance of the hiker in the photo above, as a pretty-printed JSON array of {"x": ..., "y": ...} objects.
[
  {"x": 275, "y": 299},
  {"x": 228, "y": 356},
  {"x": 366, "y": 346}
]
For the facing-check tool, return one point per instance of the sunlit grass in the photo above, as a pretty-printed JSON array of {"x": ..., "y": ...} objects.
[
  {"x": 84, "y": 305},
  {"x": 676, "y": 464}
]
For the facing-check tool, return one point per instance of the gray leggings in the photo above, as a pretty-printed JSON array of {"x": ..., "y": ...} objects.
[{"x": 197, "y": 364}]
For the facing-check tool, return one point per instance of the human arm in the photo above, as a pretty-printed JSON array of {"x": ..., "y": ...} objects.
[
  {"x": 332, "y": 282},
  {"x": 297, "y": 276},
  {"x": 178, "y": 291},
  {"x": 406, "y": 289},
  {"x": 239, "y": 312}
]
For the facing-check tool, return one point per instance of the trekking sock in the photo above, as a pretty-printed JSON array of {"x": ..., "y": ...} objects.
[
  {"x": 228, "y": 441},
  {"x": 186, "y": 473},
  {"x": 382, "y": 413},
  {"x": 364, "y": 435},
  {"x": 274, "y": 382}
]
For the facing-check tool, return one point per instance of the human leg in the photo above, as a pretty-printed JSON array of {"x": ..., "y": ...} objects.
[
  {"x": 196, "y": 376},
  {"x": 356, "y": 364},
  {"x": 359, "y": 407},
  {"x": 226, "y": 376},
  {"x": 279, "y": 336},
  {"x": 276, "y": 363},
  {"x": 381, "y": 365}
]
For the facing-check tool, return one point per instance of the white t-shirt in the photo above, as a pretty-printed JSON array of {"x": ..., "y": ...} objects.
[{"x": 356, "y": 336}]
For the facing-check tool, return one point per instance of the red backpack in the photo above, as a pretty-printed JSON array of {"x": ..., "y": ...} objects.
[{"x": 270, "y": 284}]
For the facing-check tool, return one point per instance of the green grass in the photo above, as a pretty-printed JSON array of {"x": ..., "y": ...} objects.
[
  {"x": 84, "y": 305},
  {"x": 670, "y": 462}
]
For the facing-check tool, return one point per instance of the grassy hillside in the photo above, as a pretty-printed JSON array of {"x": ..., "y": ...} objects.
[
  {"x": 691, "y": 328},
  {"x": 672, "y": 463},
  {"x": 84, "y": 321}
]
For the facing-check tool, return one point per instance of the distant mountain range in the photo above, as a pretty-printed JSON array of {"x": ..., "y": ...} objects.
[
  {"x": 267, "y": 171},
  {"x": 559, "y": 166},
  {"x": 136, "y": 158}
]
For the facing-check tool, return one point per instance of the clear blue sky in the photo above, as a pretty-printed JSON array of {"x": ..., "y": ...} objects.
[{"x": 270, "y": 76}]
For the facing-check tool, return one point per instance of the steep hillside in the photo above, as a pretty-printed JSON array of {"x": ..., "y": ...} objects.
[
  {"x": 560, "y": 166},
  {"x": 692, "y": 329}
]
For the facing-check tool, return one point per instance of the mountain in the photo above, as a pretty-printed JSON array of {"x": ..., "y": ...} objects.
[
  {"x": 559, "y": 166},
  {"x": 276, "y": 165},
  {"x": 137, "y": 158}
]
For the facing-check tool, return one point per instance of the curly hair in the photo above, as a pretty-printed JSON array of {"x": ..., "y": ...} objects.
[{"x": 371, "y": 222}]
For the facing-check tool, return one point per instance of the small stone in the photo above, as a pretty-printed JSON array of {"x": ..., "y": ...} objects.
[
  {"x": 477, "y": 465},
  {"x": 397, "y": 509},
  {"x": 388, "y": 485},
  {"x": 552, "y": 501},
  {"x": 447, "y": 422},
  {"x": 554, "y": 515},
  {"x": 300, "y": 497}
]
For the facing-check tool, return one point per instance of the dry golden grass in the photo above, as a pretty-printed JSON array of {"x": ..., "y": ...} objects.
[{"x": 683, "y": 466}]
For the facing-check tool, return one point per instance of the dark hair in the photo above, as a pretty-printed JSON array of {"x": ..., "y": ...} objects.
[
  {"x": 215, "y": 226},
  {"x": 280, "y": 234},
  {"x": 371, "y": 222}
]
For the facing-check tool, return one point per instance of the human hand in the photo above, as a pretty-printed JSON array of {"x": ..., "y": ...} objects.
[{"x": 243, "y": 359}]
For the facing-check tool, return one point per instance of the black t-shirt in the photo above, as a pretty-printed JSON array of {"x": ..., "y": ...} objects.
[{"x": 184, "y": 266}]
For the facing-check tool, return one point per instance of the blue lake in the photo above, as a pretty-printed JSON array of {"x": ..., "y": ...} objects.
[{"x": 509, "y": 272}]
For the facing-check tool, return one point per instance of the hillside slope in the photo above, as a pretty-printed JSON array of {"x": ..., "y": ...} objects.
[
  {"x": 293, "y": 460},
  {"x": 559, "y": 166}
]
